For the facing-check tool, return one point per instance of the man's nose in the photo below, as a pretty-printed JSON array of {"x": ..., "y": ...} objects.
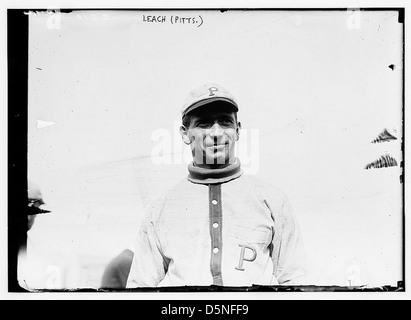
[{"x": 216, "y": 130}]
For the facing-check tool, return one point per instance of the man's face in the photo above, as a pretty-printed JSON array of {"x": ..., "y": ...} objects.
[{"x": 212, "y": 138}]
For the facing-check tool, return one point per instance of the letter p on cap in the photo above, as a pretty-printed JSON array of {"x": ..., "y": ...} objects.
[{"x": 212, "y": 90}]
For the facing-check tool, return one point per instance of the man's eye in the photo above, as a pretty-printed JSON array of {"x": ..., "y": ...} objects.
[{"x": 207, "y": 124}]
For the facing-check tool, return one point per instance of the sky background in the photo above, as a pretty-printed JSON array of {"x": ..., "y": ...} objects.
[{"x": 314, "y": 89}]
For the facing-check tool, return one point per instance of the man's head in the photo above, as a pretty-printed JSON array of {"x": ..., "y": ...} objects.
[
  {"x": 35, "y": 203},
  {"x": 210, "y": 126}
]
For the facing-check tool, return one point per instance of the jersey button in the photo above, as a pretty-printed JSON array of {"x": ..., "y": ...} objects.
[
  {"x": 215, "y": 225},
  {"x": 215, "y": 250},
  {"x": 214, "y": 202}
]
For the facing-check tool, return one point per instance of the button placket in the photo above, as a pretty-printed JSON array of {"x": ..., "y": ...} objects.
[{"x": 216, "y": 232}]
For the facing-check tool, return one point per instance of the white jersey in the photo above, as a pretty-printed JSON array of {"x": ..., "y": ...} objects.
[{"x": 237, "y": 233}]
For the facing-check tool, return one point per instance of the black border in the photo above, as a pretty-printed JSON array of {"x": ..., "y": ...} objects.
[
  {"x": 401, "y": 19},
  {"x": 17, "y": 58}
]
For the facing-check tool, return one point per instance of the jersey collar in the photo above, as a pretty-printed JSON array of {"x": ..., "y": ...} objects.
[{"x": 213, "y": 176}]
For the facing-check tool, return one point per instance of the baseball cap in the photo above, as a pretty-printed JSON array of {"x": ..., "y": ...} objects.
[
  {"x": 35, "y": 199},
  {"x": 206, "y": 94}
]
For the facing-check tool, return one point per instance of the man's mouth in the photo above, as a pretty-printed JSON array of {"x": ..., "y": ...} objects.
[{"x": 218, "y": 146}]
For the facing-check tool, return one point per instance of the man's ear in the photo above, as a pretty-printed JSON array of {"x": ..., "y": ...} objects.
[
  {"x": 238, "y": 130},
  {"x": 184, "y": 135}
]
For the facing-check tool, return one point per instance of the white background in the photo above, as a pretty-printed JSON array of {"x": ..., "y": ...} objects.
[{"x": 317, "y": 91}]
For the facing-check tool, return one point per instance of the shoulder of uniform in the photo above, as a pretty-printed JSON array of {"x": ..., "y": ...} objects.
[
  {"x": 155, "y": 208},
  {"x": 262, "y": 186}
]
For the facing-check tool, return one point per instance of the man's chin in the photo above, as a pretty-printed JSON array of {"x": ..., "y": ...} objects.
[{"x": 217, "y": 160}]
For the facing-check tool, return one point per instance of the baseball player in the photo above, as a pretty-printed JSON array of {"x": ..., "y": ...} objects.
[
  {"x": 31, "y": 270},
  {"x": 218, "y": 226}
]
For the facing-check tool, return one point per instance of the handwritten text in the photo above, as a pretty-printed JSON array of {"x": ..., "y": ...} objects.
[{"x": 186, "y": 20}]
